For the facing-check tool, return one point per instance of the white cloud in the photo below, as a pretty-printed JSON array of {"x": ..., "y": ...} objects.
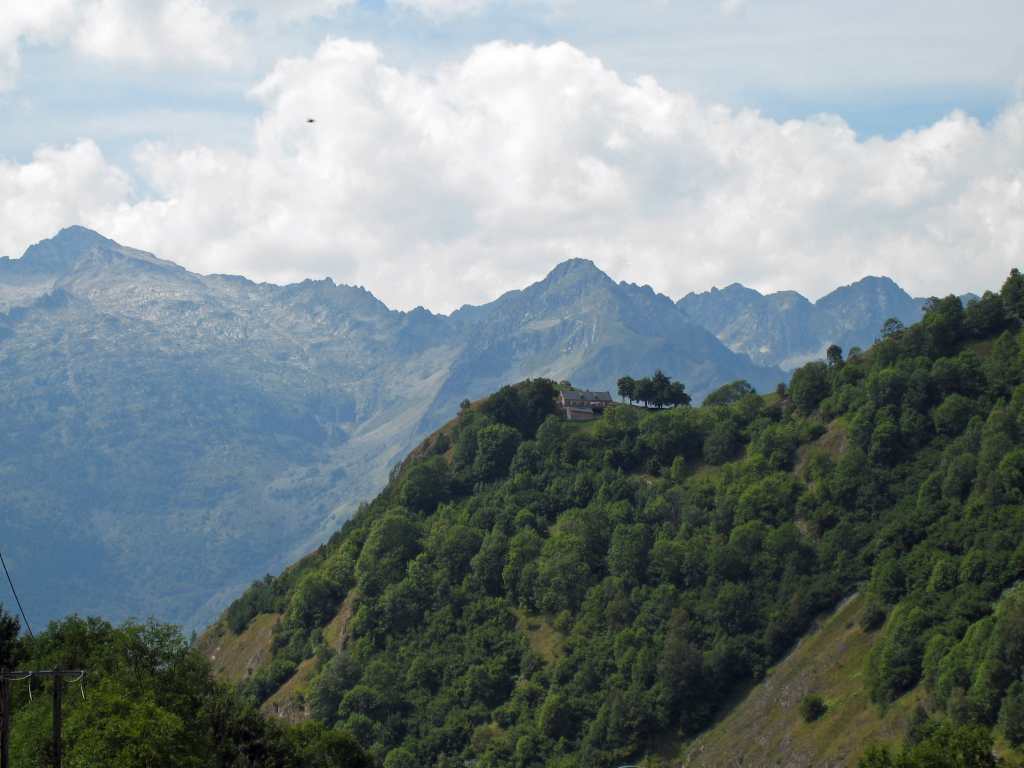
[
  {"x": 787, "y": 52},
  {"x": 154, "y": 32},
  {"x": 158, "y": 31},
  {"x": 275, "y": 11},
  {"x": 454, "y": 185},
  {"x": 731, "y": 7},
  {"x": 175, "y": 31},
  {"x": 213, "y": 33},
  {"x": 440, "y": 9},
  {"x": 55, "y": 188},
  {"x": 36, "y": 21}
]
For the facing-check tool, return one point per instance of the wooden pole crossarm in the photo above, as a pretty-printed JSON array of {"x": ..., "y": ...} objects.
[
  {"x": 8, "y": 676},
  {"x": 16, "y": 674}
]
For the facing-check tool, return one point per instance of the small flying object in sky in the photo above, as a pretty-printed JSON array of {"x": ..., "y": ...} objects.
[{"x": 310, "y": 119}]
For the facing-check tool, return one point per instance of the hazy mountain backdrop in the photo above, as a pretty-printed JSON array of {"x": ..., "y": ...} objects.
[
  {"x": 788, "y": 330},
  {"x": 167, "y": 436}
]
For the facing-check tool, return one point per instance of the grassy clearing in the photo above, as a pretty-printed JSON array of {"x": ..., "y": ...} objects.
[
  {"x": 983, "y": 349},
  {"x": 1005, "y": 751},
  {"x": 586, "y": 427},
  {"x": 289, "y": 701},
  {"x": 706, "y": 470},
  {"x": 336, "y": 633},
  {"x": 831, "y": 444},
  {"x": 546, "y": 641},
  {"x": 765, "y": 728},
  {"x": 236, "y": 658}
]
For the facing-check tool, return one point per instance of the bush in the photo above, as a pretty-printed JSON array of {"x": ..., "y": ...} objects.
[
  {"x": 400, "y": 758},
  {"x": 257, "y": 599},
  {"x": 812, "y": 707},
  {"x": 722, "y": 442},
  {"x": 496, "y": 445},
  {"x": 1011, "y": 716},
  {"x": 873, "y": 615},
  {"x": 263, "y": 684},
  {"x": 942, "y": 746},
  {"x": 730, "y": 393},
  {"x": 809, "y": 386},
  {"x": 314, "y": 601},
  {"x": 894, "y": 665},
  {"x": 426, "y": 484},
  {"x": 952, "y": 415}
]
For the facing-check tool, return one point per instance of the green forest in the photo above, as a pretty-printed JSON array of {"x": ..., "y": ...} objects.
[
  {"x": 528, "y": 591},
  {"x": 148, "y": 699}
]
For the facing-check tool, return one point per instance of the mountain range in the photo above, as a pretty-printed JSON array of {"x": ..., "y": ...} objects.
[
  {"x": 170, "y": 436},
  {"x": 788, "y": 330}
]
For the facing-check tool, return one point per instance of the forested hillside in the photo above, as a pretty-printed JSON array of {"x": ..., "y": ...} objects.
[{"x": 527, "y": 591}]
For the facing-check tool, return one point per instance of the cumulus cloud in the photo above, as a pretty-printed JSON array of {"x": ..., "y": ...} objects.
[
  {"x": 158, "y": 31},
  {"x": 176, "y": 31},
  {"x": 155, "y": 32},
  {"x": 211, "y": 33},
  {"x": 35, "y": 22},
  {"x": 55, "y": 188},
  {"x": 451, "y": 186}
]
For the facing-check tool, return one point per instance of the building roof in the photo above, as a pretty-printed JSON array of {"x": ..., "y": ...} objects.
[{"x": 585, "y": 394}]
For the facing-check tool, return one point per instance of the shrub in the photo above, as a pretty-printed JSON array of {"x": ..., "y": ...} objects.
[
  {"x": 809, "y": 386},
  {"x": 952, "y": 415},
  {"x": 812, "y": 707},
  {"x": 426, "y": 484},
  {"x": 894, "y": 665},
  {"x": 873, "y": 615},
  {"x": 257, "y": 599},
  {"x": 1011, "y": 717}
]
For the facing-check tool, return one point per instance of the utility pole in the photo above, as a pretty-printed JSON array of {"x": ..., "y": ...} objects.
[
  {"x": 5, "y": 722},
  {"x": 58, "y": 720},
  {"x": 58, "y": 675}
]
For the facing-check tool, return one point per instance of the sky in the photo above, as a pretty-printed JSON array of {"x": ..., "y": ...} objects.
[{"x": 462, "y": 148}]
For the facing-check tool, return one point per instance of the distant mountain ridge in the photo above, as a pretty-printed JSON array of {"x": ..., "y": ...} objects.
[
  {"x": 185, "y": 433},
  {"x": 193, "y": 432},
  {"x": 788, "y": 330}
]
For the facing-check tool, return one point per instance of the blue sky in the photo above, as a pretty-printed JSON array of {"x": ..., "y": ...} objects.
[
  {"x": 910, "y": 71},
  {"x": 136, "y": 118}
]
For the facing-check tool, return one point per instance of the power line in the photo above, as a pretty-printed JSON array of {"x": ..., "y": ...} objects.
[
  {"x": 58, "y": 676},
  {"x": 16, "y": 598}
]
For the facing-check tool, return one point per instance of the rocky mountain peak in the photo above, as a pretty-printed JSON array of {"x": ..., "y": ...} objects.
[
  {"x": 78, "y": 236},
  {"x": 62, "y": 251},
  {"x": 574, "y": 271},
  {"x": 786, "y": 329},
  {"x": 872, "y": 286},
  {"x": 74, "y": 246}
]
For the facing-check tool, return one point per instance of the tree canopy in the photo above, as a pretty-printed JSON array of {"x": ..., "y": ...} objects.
[
  {"x": 578, "y": 592},
  {"x": 150, "y": 699},
  {"x": 656, "y": 391}
]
